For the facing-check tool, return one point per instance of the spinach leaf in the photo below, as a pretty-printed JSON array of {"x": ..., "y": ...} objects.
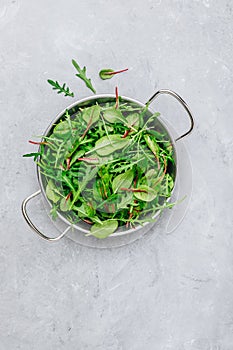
[
  {"x": 123, "y": 180},
  {"x": 105, "y": 229},
  {"x": 109, "y": 144}
]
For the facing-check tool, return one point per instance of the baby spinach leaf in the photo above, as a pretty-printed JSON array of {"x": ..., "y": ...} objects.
[
  {"x": 147, "y": 194},
  {"x": 51, "y": 192},
  {"x": 113, "y": 115},
  {"x": 62, "y": 130},
  {"x": 105, "y": 229},
  {"x": 104, "y": 74},
  {"x": 123, "y": 180},
  {"x": 109, "y": 73},
  {"x": 133, "y": 119},
  {"x": 65, "y": 204},
  {"x": 108, "y": 144},
  {"x": 91, "y": 114}
]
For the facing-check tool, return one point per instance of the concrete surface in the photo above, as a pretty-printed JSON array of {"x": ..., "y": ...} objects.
[{"x": 169, "y": 292}]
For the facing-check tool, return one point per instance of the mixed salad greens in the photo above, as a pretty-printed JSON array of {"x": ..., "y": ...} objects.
[{"x": 107, "y": 165}]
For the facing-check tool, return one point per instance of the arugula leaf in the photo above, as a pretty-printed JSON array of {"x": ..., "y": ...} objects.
[
  {"x": 61, "y": 89},
  {"x": 34, "y": 154},
  {"x": 82, "y": 75}
]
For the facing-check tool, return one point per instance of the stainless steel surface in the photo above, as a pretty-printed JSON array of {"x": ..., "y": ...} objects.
[
  {"x": 32, "y": 225},
  {"x": 182, "y": 102}
]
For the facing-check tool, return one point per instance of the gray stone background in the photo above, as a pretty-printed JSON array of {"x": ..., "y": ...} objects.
[{"x": 172, "y": 292}]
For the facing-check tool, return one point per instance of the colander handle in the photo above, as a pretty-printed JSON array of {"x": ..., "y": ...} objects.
[
  {"x": 182, "y": 102},
  {"x": 33, "y": 227}
]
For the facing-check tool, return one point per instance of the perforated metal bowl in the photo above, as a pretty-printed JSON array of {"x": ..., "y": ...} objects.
[{"x": 82, "y": 227}]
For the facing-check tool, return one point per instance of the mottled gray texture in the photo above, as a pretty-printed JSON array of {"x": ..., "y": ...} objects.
[{"x": 164, "y": 292}]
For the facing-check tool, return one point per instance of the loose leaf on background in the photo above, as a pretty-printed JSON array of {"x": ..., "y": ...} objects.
[
  {"x": 104, "y": 74},
  {"x": 123, "y": 180},
  {"x": 108, "y": 144},
  {"x": 109, "y": 73},
  {"x": 147, "y": 194},
  {"x": 82, "y": 75},
  {"x": 61, "y": 89},
  {"x": 105, "y": 229}
]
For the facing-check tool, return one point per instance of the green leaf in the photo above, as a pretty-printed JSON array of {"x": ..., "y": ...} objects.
[
  {"x": 76, "y": 155},
  {"x": 113, "y": 115},
  {"x": 149, "y": 178},
  {"x": 146, "y": 196},
  {"x": 85, "y": 210},
  {"x": 108, "y": 73},
  {"x": 108, "y": 144},
  {"x": 152, "y": 144},
  {"x": 123, "y": 180},
  {"x": 62, "y": 129},
  {"x": 104, "y": 74},
  {"x": 61, "y": 89},
  {"x": 65, "y": 204},
  {"x": 91, "y": 114},
  {"x": 125, "y": 200},
  {"x": 51, "y": 192},
  {"x": 34, "y": 154},
  {"x": 82, "y": 75},
  {"x": 105, "y": 229},
  {"x": 133, "y": 119}
]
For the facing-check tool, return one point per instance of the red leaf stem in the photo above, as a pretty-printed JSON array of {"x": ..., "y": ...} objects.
[
  {"x": 68, "y": 163},
  {"x": 117, "y": 97},
  {"x": 117, "y": 71},
  {"x": 38, "y": 143},
  {"x": 83, "y": 158},
  {"x": 133, "y": 190},
  {"x": 68, "y": 196}
]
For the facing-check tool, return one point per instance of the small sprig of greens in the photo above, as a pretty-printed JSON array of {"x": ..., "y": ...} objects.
[
  {"x": 82, "y": 75},
  {"x": 108, "y": 73},
  {"x": 107, "y": 167},
  {"x": 61, "y": 89},
  {"x": 35, "y": 155}
]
